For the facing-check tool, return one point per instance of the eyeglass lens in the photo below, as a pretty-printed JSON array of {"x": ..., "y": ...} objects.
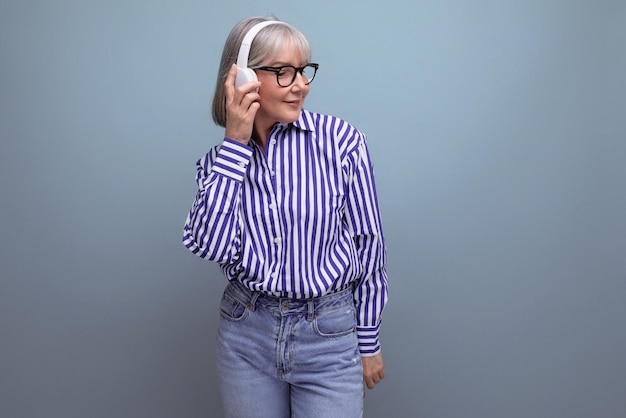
[{"x": 287, "y": 75}]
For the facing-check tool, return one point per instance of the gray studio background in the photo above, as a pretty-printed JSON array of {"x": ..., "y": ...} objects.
[{"x": 498, "y": 132}]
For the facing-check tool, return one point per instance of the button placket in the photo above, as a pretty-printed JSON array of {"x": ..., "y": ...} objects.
[{"x": 276, "y": 231}]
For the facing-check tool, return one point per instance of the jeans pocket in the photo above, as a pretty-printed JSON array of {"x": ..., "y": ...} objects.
[
  {"x": 232, "y": 309},
  {"x": 335, "y": 323}
]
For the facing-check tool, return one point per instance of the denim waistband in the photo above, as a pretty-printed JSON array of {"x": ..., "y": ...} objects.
[{"x": 289, "y": 305}]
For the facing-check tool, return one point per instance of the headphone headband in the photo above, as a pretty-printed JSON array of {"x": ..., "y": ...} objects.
[{"x": 244, "y": 50}]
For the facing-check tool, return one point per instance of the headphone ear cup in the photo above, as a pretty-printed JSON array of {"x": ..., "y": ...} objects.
[{"x": 244, "y": 75}]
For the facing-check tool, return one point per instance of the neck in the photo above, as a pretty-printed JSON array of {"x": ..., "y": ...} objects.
[{"x": 260, "y": 135}]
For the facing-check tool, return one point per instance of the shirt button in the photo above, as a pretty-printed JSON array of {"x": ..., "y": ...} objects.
[
  {"x": 274, "y": 275},
  {"x": 272, "y": 141},
  {"x": 277, "y": 240},
  {"x": 242, "y": 164},
  {"x": 273, "y": 206}
]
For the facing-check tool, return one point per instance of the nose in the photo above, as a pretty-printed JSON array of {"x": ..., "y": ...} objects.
[{"x": 300, "y": 80}]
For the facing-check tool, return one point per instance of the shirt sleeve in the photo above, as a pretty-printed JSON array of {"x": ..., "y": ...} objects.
[
  {"x": 212, "y": 229},
  {"x": 363, "y": 218}
]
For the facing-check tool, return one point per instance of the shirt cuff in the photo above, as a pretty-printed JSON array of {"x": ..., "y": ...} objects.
[
  {"x": 369, "y": 345},
  {"x": 232, "y": 159}
]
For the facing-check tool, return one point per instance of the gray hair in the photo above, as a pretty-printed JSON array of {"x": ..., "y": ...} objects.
[{"x": 266, "y": 45}]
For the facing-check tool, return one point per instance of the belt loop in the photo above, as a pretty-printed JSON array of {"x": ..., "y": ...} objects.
[
  {"x": 311, "y": 311},
  {"x": 253, "y": 298}
]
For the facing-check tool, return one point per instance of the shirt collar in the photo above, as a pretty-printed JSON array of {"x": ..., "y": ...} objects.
[{"x": 304, "y": 122}]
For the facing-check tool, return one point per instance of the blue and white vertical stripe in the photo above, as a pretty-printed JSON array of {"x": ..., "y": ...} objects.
[{"x": 299, "y": 220}]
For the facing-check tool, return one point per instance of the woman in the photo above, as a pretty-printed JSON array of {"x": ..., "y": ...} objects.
[{"x": 287, "y": 207}]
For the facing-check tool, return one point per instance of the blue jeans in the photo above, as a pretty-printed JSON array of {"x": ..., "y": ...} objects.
[{"x": 281, "y": 357}]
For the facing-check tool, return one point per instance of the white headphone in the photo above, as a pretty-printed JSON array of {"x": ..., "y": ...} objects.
[{"x": 245, "y": 74}]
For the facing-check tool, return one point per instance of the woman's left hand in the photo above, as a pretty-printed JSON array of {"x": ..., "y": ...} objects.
[{"x": 373, "y": 370}]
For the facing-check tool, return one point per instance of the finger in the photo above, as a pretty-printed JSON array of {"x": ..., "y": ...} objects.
[
  {"x": 246, "y": 94},
  {"x": 229, "y": 83},
  {"x": 231, "y": 75},
  {"x": 373, "y": 380},
  {"x": 251, "y": 87},
  {"x": 251, "y": 112},
  {"x": 249, "y": 99}
]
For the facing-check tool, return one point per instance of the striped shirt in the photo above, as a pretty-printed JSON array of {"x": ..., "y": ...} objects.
[{"x": 297, "y": 220}]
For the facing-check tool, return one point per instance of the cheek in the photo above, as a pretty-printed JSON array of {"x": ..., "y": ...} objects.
[
  {"x": 268, "y": 102},
  {"x": 268, "y": 93},
  {"x": 265, "y": 97}
]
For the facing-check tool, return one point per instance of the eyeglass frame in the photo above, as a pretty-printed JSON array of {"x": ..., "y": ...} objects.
[{"x": 297, "y": 70}]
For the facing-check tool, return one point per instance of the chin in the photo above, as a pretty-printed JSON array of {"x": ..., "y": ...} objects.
[{"x": 293, "y": 116}]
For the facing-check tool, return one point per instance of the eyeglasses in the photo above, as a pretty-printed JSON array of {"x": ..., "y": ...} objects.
[{"x": 286, "y": 74}]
